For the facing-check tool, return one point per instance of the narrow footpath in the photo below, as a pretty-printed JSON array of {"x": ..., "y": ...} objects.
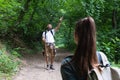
[{"x": 34, "y": 67}]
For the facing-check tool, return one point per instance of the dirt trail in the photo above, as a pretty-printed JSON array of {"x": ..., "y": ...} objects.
[{"x": 34, "y": 68}]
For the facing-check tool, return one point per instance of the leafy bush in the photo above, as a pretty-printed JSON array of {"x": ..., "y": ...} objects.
[
  {"x": 111, "y": 47},
  {"x": 15, "y": 53},
  {"x": 7, "y": 65}
]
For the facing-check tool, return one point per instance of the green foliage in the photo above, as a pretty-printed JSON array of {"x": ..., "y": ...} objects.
[
  {"x": 7, "y": 65},
  {"x": 8, "y": 12},
  {"x": 15, "y": 53},
  {"x": 23, "y": 21},
  {"x": 115, "y": 65},
  {"x": 109, "y": 43}
]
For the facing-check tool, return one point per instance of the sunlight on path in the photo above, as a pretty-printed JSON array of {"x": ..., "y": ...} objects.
[
  {"x": 38, "y": 72},
  {"x": 35, "y": 68}
]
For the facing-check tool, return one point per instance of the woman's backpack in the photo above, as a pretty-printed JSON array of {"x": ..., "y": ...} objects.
[{"x": 106, "y": 72}]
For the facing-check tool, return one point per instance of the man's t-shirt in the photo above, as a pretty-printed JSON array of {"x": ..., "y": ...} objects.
[{"x": 49, "y": 36}]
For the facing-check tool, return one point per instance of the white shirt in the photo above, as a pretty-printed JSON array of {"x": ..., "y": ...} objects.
[{"x": 49, "y": 37}]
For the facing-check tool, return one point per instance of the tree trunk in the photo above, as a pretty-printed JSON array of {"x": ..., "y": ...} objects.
[
  {"x": 69, "y": 33},
  {"x": 13, "y": 34},
  {"x": 22, "y": 13},
  {"x": 114, "y": 22},
  {"x": 30, "y": 19},
  {"x": 114, "y": 25}
]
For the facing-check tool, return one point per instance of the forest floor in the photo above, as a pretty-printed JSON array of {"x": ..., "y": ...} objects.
[{"x": 34, "y": 67}]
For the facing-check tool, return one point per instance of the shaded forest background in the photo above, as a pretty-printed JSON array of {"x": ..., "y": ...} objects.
[{"x": 23, "y": 21}]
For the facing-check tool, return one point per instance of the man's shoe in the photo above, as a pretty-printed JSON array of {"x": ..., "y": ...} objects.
[
  {"x": 47, "y": 67},
  {"x": 51, "y": 67}
]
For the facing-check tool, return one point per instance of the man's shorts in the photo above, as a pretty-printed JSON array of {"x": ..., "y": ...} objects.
[{"x": 50, "y": 49}]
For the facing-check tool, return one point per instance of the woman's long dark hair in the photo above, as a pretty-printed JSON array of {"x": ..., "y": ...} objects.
[{"x": 85, "y": 54}]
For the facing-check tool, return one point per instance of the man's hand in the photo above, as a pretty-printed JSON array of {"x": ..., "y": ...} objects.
[
  {"x": 61, "y": 19},
  {"x": 58, "y": 26},
  {"x": 44, "y": 40}
]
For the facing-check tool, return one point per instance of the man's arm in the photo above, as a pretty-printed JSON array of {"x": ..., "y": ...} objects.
[
  {"x": 58, "y": 26},
  {"x": 43, "y": 37}
]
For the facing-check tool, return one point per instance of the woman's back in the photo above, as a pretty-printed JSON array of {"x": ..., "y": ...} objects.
[
  {"x": 85, "y": 57},
  {"x": 67, "y": 68}
]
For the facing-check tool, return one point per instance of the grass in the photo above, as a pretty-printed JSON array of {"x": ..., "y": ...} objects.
[
  {"x": 60, "y": 46},
  {"x": 115, "y": 65},
  {"x": 8, "y": 63},
  {"x": 4, "y": 76}
]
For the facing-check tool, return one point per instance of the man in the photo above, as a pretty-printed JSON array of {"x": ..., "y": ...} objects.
[{"x": 49, "y": 43}]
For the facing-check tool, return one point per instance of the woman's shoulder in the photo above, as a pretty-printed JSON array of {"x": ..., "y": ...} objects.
[
  {"x": 67, "y": 65},
  {"x": 67, "y": 60},
  {"x": 67, "y": 68}
]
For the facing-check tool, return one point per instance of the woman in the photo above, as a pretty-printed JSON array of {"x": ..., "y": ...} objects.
[{"x": 76, "y": 67}]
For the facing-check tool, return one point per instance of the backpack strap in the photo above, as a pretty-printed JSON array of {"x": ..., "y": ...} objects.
[
  {"x": 99, "y": 58},
  {"x": 104, "y": 61},
  {"x": 51, "y": 33},
  {"x": 94, "y": 74}
]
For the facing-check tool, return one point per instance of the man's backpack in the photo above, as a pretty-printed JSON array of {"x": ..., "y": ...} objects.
[{"x": 106, "y": 72}]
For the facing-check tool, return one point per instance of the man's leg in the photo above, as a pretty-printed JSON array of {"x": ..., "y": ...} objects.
[
  {"x": 47, "y": 57},
  {"x": 52, "y": 57},
  {"x": 52, "y": 61}
]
